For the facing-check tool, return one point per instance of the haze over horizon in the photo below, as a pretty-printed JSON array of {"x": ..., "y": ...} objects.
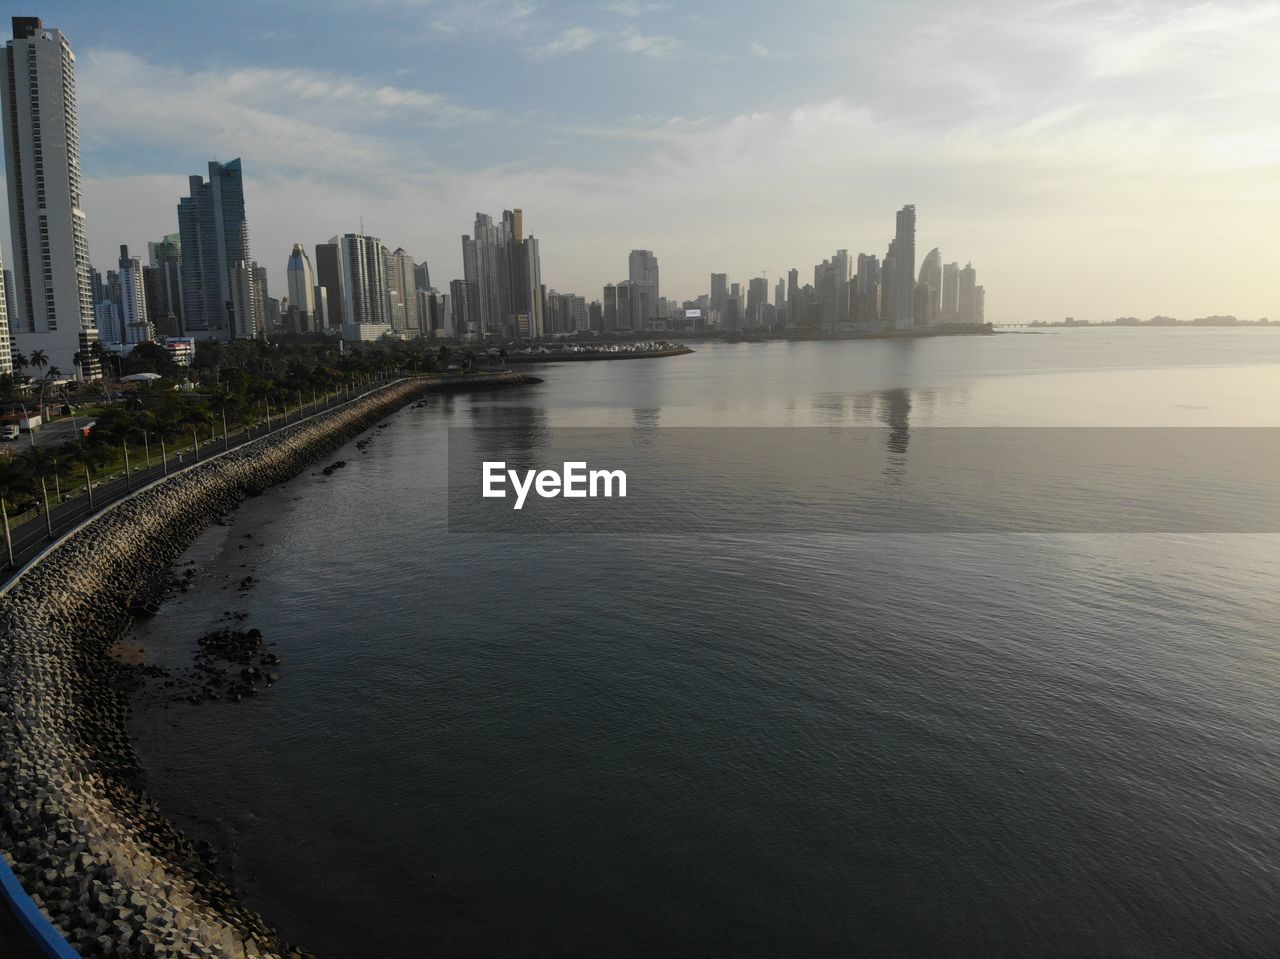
[{"x": 1090, "y": 159}]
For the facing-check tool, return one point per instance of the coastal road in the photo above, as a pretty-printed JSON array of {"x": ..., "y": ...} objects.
[{"x": 33, "y": 534}]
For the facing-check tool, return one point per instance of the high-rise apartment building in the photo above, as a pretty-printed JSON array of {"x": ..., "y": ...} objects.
[
  {"x": 166, "y": 260},
  {"x": 642, "y": 267},
  {"x": 968, "y": 312},
  {"x": 214, "y": 236},
  {"x": 402, "y": 290},
  {"x": 866, "y": 290},
  {"x": 719, "y": 290},
  {"x": 6, "y": 301},
  {"x": 364, "y": 287},
  {"x": 134, "y": 322},
  {"x": 902, "y": 277},
  {"x": 949, "y": 306},
  {"x": 46, "y": 217}
]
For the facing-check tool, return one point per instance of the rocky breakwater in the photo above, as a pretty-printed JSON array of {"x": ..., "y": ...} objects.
[{"x": 89, "y": 845}]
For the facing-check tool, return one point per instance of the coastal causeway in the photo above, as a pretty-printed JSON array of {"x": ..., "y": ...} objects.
[{"x": 90, "y": 847}]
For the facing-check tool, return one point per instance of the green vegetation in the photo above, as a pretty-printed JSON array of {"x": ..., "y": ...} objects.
[{"x": 229, "y": 389}]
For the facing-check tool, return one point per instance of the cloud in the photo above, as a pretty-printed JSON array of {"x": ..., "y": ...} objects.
[
  {"x": 764, "y": 53},
  {"x": 573, "y": 40},
  {"x": 659, "y": 48},
  {"x": 485, "y": 17},
  {"x": 634, "y": 8}
]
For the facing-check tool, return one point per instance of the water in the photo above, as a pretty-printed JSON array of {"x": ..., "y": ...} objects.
[{"x": 737, "y": 744}]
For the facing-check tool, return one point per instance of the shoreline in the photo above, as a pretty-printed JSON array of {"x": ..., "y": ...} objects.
[
  {"x": 91, "y": 848},
  {"x": 567, "y": 357}
]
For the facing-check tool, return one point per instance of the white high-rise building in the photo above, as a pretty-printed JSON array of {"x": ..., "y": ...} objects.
[
  {"x": 6, "y": 353},
  {"x": 46, "y": 218},
  {"x": 364, "y": 287},
  {"x": 135, "y": 326}
]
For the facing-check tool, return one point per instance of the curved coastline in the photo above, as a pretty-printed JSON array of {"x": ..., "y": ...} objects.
[{"x": 91, "y": 849}]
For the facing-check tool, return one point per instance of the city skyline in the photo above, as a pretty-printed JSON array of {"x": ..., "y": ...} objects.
[{"x": 1068, "y": 142}]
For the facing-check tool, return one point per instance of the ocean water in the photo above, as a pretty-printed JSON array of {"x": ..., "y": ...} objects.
[{"x": 749, "y": 744}]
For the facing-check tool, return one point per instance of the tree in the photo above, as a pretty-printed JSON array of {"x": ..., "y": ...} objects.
[
  {"x": 44, "y": 464},
  {"x": 15, "y": 481}
]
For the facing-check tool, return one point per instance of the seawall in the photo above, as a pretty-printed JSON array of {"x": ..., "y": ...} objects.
[{"x": 92, "y": 850}]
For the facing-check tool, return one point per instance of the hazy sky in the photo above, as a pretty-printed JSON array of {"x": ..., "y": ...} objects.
[{"x": 1095, "y": 159}]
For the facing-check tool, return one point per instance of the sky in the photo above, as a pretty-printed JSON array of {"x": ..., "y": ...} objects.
[{"x": 1093, "y": 159}]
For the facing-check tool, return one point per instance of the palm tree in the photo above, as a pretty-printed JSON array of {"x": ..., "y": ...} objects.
[{"x": 40, "y": 361}]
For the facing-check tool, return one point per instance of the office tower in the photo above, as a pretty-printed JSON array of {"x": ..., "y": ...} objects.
[
  {"x": 928, "y": 293},
  {"x": 166, "y": 260},
  {"x": 968, "y": 298},
  {"x": 642, "y": 268},
  {"x": 609, "y": 310},
  {"x": 484, "y": 269},
  {"x": 949, "y": 306},
  {"x": 401, "y": 287},
  {"x": 459, "y": 296},
  {"x": 135, "y": 326},
  {"x": 320, "y": 322},
  {"x": 902, "y": 277},
  {"x": 422, "y": 278},
  {"x": 826, "y": 285},
  {"x": 364, "y": 287},
  {"x": 735, "y": 291},
  {"x": 780, "y": 295},
  {"x": 46, "y": 218},
  {"x": 757, "y": 297},
  {"x": 301, "y": 283},
  {"x": 719, "y": 290},
  {"x": 980, "y": 304},
  {"x": 329, "y": 279},
  {"x": 6, "y": 302},
  {"x": 626, "y": 308},
  {"x": 888, "y": 289},
  {"x": 214, "y": 237},
  {"x": 866, "y": 290},
  {"x": 840, "y": 268},
  {"x": 530, "y": 294},
  {"x": 793, "y": 296}
]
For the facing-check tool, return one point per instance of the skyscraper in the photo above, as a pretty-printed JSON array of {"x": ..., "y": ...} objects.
[
  {"x": 214, "y": 235},
  {"x": 364, "y": 287},
  {"x": 402, "y": 288},
  {"x": 902, "y": 278},
  {"x": 329, "y": 279},
  {"x": 301, "y": 283},
  {"x": 166, "y": 259},
  {"x": 866, "y": 290},
  {"x": 642, "y": 267},
  {"x": 949, "y": 307},
  {"x": 968, "y": 296},
  {"x": 719, "y": 290},
  {"x": 135, "y": 326},
  {"x": 46, "y": 219},
  {"x": 928, "y": 294},
  {"x": 6, "y": 301}
]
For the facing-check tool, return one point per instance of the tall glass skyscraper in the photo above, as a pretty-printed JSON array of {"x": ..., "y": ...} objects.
[{"x": 215, "y": 248}]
